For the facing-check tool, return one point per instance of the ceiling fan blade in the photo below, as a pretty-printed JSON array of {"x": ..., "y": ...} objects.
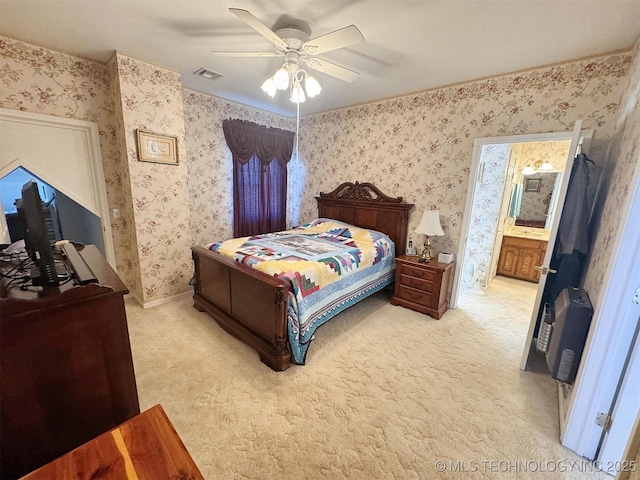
[
  {"x": 246, "y": 54},
  {"x": 332, "y": 41},
  {"x": 259, "y": 27},
  {"x": 332, "y": 69}
]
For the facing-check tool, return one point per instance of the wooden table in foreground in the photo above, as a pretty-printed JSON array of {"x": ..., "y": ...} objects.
[{"x": 144, "y": 447}]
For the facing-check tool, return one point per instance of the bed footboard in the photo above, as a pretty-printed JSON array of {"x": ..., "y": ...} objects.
[{"x": 248, "y": 304}]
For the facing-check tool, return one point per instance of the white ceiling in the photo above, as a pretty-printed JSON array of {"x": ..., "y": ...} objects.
[{"x": 409, "y": 46}]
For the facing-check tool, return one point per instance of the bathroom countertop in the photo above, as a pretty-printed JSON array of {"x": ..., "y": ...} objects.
[{"x": 528, "y": 233}]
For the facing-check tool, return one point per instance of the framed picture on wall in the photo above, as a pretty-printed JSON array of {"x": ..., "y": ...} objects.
[
  {"x": 157, "y": 147},
  {"x": 532, "y": 185}
]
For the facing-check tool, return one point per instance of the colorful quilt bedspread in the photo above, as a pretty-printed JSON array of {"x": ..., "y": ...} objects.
[{"x": 330, "y": 264}]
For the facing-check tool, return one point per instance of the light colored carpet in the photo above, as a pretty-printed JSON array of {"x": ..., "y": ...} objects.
[{"x": 386, "y": 393}]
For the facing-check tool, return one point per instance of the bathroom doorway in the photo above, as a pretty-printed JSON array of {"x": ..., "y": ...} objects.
[
  {"x": 496, "y": 170},
  {"x": 515, "y": 197}
]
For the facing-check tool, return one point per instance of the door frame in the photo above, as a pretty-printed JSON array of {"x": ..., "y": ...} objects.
[
  {"x": 91, "y": 136},
  {"x": 502, "y": 213},
  {"x": 609, "y": 338},
  {"x": 623, "y": 412},
  {"x": 475, "y": 174}
]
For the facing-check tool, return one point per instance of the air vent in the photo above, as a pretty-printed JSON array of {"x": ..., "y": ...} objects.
[{"x": 208, "y": 74}]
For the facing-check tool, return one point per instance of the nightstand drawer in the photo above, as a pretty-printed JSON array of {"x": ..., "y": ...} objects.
[
  {"x": 415, "y": 282},
  {"x": 419, "y": 272},
  {"x": 416, "y": 296}
]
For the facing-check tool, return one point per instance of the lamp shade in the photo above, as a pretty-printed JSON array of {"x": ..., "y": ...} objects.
[
  {"x": 281, "y": 78},
  {"x": 297, "y": 93},
  {"x": 269, "y": 87},
  {"x": 312, "y": 86},
  {"x": 430, "y": 223}
]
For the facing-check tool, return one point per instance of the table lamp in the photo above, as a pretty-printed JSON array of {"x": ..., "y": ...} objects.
[{"x": 429, "y": 225}]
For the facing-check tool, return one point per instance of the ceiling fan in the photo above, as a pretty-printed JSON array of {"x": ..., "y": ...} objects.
[{"x": 294, "y": 44}]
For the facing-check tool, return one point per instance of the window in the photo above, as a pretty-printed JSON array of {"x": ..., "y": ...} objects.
[
  {"x": 260, "y": 157},
  {"x": 259, "y": 197}
]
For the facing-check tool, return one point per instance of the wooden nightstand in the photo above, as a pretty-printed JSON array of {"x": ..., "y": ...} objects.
[{"x": 423, "y": 287}]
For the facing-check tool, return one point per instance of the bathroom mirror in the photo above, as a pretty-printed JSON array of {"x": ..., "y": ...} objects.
[{"x": 538, "y": 200}]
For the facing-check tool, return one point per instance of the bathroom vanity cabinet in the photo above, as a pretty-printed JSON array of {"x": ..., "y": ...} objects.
[{"x": 519, "y": 256}]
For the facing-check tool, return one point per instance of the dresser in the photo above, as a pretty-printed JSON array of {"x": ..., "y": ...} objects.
[
  {"x": 66, "y": 372},
  {"x": 519, "y": 257},
  {"x": 423, "y": 287}
]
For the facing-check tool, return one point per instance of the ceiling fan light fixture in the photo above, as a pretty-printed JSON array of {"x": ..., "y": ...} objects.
[
  {"x": 297, "y": 93},
  {"x": 293, "y": 43},
  {"x": 269, "y": 87},
  {"x": 312, "y": 86},
  {"x": 281, "y": 78}
]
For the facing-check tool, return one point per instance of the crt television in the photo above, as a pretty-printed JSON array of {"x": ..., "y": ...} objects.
[{"x": 36, "y": 239}]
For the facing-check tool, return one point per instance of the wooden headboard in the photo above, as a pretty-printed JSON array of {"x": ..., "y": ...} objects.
[{"x": 364, "y": 205}]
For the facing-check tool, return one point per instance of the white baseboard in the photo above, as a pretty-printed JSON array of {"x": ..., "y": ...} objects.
[{"x": 155, "y": 303}]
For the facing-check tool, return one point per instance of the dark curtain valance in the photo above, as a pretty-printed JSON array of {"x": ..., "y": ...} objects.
[{"x": 246, "y": 139}]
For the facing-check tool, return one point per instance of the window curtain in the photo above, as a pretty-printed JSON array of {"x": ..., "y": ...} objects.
[{"x": 260, "y": 157}]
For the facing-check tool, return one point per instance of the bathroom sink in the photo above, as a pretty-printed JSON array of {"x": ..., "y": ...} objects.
[{"x": 528, "y": 233}]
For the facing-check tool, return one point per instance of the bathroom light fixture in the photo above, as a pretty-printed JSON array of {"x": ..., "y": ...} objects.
[
  {"x": 300, "y": 83},
  {"x": 429, "y": 225},
  {"x": 538, "y": 166},
  {"x": 546, "y": 166}
]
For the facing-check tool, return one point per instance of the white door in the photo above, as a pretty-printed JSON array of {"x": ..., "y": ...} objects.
[{"x": 544, "y": 268}]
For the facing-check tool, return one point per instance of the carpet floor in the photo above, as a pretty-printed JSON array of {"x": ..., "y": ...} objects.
[{"x": 387, "y": 393}]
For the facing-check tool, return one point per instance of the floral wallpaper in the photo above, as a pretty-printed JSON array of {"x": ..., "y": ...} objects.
[
  {"x": 209, "y": 164},
  {"x": 420, "y": 146},
  {"x": 158, "y": 203},
  {"x": 126, "y": 214},
  {"x": 485, "y": 210},
  {"x": 535, "y": 204},
  {"x": 417, "y": 146},
  {"x": 624, "y": 168},
  {"x": 151, "y": 99},
  {"x": 39, "y": 80},
  {"x": 536, "y": 153}
]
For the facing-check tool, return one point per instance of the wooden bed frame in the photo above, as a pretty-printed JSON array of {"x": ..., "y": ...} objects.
[{"x": 252, "y": 306}]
